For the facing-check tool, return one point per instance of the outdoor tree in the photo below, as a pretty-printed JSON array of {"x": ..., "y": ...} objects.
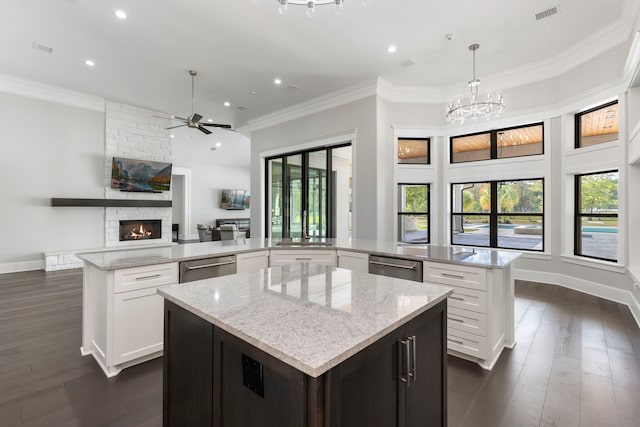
[
  {"x": 599, "y": 192},
  {"x": 416, "y": 198}
]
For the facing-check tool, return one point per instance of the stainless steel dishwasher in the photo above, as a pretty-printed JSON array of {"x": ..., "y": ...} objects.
[
  {"x": 207, "y": 268},
  {"x": 396, "y": 267}
]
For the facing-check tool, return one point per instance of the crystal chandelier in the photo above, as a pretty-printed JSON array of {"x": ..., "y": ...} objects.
[
  {"x": 311, "y": 5},
  {"x": 486, "y": 107}
]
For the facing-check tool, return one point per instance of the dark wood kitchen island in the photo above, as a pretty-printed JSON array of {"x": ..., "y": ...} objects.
[{"x": 305, "y": 345}]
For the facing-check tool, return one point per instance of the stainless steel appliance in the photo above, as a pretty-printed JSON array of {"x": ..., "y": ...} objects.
[
  {"x": 396, "y": 267},
  {"x": 207, "y": 268}
]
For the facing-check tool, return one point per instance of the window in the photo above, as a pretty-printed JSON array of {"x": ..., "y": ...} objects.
[
  {"x": 597, "y": 126},
  {"x": 414, "y": 151},
  {"x": 413, "y": 213},
  {"x": 596, "y": 222},
  {"x": 309, "y": 191},
  {"x": 527, "y": 140},
  {"x": 498, "y": 214}
]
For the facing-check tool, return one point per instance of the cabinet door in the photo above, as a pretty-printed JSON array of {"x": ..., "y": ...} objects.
[
  {"x": 287, "y": 257},
  {"x": 356, "y": 261},
  {"x": 426, "y": 396},
  {"x": 252, "y": 261},
  {"x": 366, "y": 389},
  {"x": 137, "y": 324}
]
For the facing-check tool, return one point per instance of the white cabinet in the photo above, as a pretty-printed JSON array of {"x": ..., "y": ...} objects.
[
  {"x": 479, "y": 312},
  {"x": 292, "y": 256},
  {"x": 122, "y": 322},
  {"x": 252, "y": 261},
  {"x": 356, "y": 261}
]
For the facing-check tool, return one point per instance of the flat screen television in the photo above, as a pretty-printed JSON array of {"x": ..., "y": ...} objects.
[
  {"x": 235, "y": 199},
  {"x": 140, "y": 175}
]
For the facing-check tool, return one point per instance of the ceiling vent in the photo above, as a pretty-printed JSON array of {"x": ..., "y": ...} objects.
[
  {"x": 547, "y": 13},
  {"x": 241, "y": 107},
  {"x": 42, "y": 48},
  {"x": 290, "y": 88},
  {"x": 407, "y": 63}
]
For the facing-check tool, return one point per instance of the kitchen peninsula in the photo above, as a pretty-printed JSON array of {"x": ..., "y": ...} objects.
[
  {"x": 122, "y": 312},
  {"x": 305, "y": 345}
]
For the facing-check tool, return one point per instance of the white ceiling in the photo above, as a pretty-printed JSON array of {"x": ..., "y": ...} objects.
[{"x": 239, "y": 46}]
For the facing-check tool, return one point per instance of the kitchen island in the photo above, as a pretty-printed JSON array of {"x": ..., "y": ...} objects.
[
  {"x": 122, "y": 312},
  {"x": 305, "y": 345}
]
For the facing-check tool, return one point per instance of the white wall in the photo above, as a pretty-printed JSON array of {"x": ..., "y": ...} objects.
[
  {"x": 48, "y": 150},
  {"x": 358, "y": 116}
]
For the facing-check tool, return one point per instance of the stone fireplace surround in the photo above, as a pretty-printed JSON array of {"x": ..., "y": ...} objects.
[{"x": 135, "y": 133}]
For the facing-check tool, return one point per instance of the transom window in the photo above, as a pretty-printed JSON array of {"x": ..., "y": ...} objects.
[
  {"x": 597, "y": 125},
  {"x": 498, "y": 214},
  {"x": 596, "y": 221},
  {"x": 414, "y": 151},
  {"x": 527, "y": 140}
]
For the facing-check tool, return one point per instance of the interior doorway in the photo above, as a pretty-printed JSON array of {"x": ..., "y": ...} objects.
[{"x": 181, "y": 203}]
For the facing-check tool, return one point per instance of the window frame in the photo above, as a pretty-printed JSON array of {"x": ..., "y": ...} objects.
[
  {"x": 405, "y": 138},
  {"x": 404, "y": 213},
  {"x": 493, "y": 143},
  {"x": 578, "y": 215},
  {"x": 494, "y": 215},
  {"x": 578, "y": 123}
]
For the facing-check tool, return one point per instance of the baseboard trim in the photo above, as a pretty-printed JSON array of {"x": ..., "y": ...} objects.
[
  {"x": 620, "y": 296},
  {"x": 16, "y": 267}
]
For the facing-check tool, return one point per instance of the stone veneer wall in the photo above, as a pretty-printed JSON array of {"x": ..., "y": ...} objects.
[{"x": 135, "y": 133}]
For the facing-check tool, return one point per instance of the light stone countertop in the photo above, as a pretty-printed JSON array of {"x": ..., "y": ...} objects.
[
  {"x": 461, "y": 255},
  {"x": 309, "y": 316}
]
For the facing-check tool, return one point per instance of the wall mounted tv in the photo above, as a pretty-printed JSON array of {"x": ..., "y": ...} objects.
[
  {"x": 235, "y": 199},
  {"x": 140, "y": 175}
]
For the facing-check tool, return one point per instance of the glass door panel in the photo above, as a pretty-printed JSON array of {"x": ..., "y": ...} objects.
[
  {"x": 293, "y": 177},
  {"x": 317, "y": 182},
  {"x": 274, "y": 207}
]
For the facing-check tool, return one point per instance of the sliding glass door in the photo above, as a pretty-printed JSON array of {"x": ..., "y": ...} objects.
[{"x": 302, "y": 197}]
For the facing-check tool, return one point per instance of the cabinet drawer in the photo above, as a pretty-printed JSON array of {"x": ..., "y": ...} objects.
[
  {"x": 252, "y": 261},
  {"x": 471, "y": 344},
  {"x": 467, "y": 321},
  {"x": 469, "y": 277},
  {"x": 468, "y": 299},
  {"x": 286, "y": 257},
  {"x": 130, "y": 279},
  {"x": 356, "y": 261}
]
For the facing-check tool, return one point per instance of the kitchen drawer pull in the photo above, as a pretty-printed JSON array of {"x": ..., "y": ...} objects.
[
  {"x": 455, "y": 341},
  {"x": 153, "y": 276},
  {"x": 388, "y": 264},
  {"x": 456, "y": 320},
  {"x": 217, "y": 264},
  {"x": 456, "y": 298},
  {"x": 303, "y": 258},
  {"x": 413, "y": 372},
  {"x": 453, "y": 276},
  {"x": 407, "y": 363}
]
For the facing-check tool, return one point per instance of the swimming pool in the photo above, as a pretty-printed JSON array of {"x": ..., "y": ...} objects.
[{"x": 600, "y": 229}]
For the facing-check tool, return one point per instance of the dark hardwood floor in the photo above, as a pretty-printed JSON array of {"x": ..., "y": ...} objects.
[{"x": 577, "y": 363}]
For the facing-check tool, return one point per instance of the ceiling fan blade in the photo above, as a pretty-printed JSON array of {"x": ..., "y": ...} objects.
[
  {"x": 173, "y": 127},
  {"x": 204, "y": 130},
  {"x": 196, "y": 118},
  {"x": 179, "y": 118},
  {"x": 216, "y": 125}
]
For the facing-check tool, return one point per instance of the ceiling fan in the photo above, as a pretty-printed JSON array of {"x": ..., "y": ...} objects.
[{"x": 193, "y": 121}]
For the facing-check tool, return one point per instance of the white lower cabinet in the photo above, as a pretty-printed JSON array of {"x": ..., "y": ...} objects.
[
  {"x": 252, "y": 261},
  {"x": 356, "y": 261},
  {"x": 292, "y": 256},
  {"x": 122, "y": 320},
  {"x": 478, "y": 312}
]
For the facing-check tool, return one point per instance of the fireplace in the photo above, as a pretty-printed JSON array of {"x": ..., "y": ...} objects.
[{"x": 140, "y": 229}]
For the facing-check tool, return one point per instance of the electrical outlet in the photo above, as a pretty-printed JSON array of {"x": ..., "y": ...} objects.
[{"x": 252, "y": 375}]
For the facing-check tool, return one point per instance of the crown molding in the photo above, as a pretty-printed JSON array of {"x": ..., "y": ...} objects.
[
  {"x": 632, "y": 66},
  {"x": 44, "y": 92},
  {"x": 322, "y": 103}
]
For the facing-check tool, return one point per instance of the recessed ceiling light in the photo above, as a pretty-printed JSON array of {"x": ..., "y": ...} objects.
[
  {"x": 218, "y": 144},
  {"x": 171, "y": 136},
  {"x": 227, "y": 103},
  {"x": 253, "y": 92},
  {"x": 392, "y": 49},
  {"x": 210, "y": 120},
  {"x": 277, "y": 81},
  {"x": 121, "y": 14},
  {"x": 89, "y": 63}
]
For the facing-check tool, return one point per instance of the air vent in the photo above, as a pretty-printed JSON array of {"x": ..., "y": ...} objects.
[
  {"x": 547, "y": 13},
  {"x": 290, "y": 88},
  {"x": 241, "y": 107},
  {"x": 42, "y": 48},
  {"x": 407, "y": 63}
]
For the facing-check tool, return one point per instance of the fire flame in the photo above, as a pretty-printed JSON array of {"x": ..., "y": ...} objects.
[{"x": 139, "y": 234}]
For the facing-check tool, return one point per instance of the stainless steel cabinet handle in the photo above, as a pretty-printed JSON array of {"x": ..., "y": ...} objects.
[
  {"x": 404, "y": 347},
  {"x": 148, "y": 277},
  {"x": 413, "y": 372},
  {"x": 303, "y": 258},
  {"x": 456, "y": 298},
  {"x": 453, "y": 276},
  {"x": 456, "y": 320},
  {"x": 388, "y": 264},
  {"x": 455, "y": 341},
  {"x": 217, "y": 264}
]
